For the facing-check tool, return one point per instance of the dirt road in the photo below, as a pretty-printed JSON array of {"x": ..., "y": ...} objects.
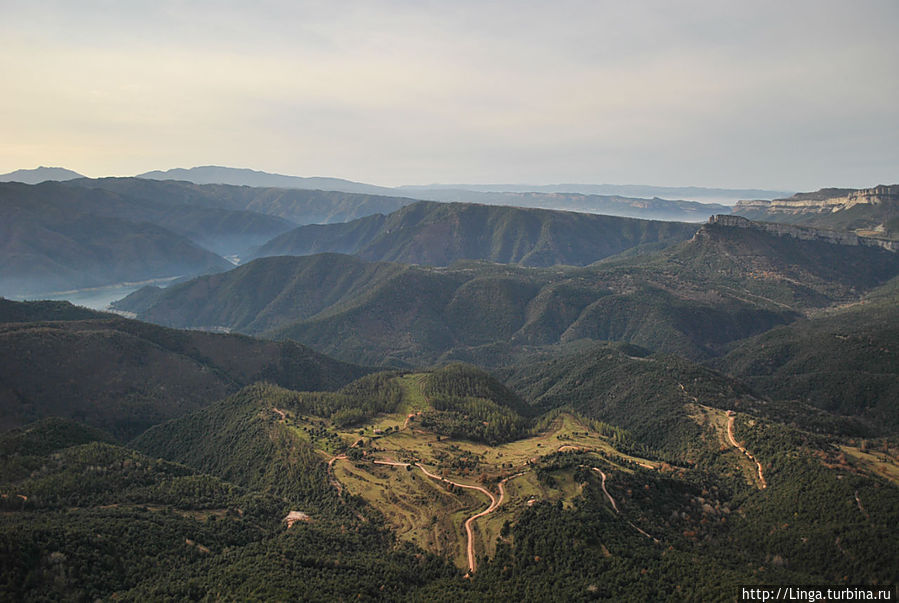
[
  {"x": 609, "y": 496},
  {"x": 738, "y": 446},
  {"x": 615, "y": 506},
  {"x": 469, "y": 531},
  {"x": 334, "y": 481}
]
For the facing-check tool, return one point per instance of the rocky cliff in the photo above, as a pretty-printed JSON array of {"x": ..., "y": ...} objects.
[
  {"x": 826, "y": 200},
  {"x": 799, "y": 232}
]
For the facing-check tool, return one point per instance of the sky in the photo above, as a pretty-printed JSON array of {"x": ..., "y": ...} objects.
[{"x": 786, "y": 95}]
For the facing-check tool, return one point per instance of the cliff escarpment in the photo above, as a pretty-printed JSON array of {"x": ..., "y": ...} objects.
[
  {"x": 824, "y": 201},
  {"x": 870, "y": 212},
  {"x": 805, "y": 233}
]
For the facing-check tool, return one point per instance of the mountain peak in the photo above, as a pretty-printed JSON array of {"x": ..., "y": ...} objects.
[
  {"x": 216, "y": 174},
  {"x": 40, "y": 174}
]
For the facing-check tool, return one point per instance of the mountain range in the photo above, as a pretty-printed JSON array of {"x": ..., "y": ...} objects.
[
  {"x": 443, "y": 401},
  {"x": 724, "y": 284},
  {"x": 455, "y": 192},
  {"x": 613, "y": 467},
  {"x": 88, "y": 233}
]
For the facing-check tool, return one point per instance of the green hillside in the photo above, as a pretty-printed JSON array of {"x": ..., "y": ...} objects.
[
  {"x": 843, "y": 361},
  {"x": 59, "y": 236},
  {"x": 45, "y": 252},
  {"x": 694, "y": 299},
  {"x": 296, "y": 206},
  {"x": 441, "y": 233},
  {"x": 684, "y": 496},
  {"x": 123, "y": 375},
  {"x": 661, "y": 506},
  {"x": 91, "y": 520},
  {"x": 261, "y": 295}
]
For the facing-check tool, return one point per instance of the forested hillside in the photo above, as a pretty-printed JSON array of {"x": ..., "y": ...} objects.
[
  {"x": 600, "y": 459},
  {"x": 441, "y": 233},
  {"x": 693, "y": 299},
  {"x": 845, "y": 361},
  {"x": 123, "y": 375}
]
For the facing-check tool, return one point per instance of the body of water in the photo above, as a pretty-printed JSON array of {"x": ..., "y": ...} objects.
[{"x": 97, "y": 298}]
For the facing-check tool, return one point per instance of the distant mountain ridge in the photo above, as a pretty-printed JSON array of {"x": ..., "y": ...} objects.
[
  {"x": 440, "y": 233},
  {"x": 601, "y": 199},
  {"x": 653, "y": 208},
  {"x": 213, "y": 174},
  {"x": 806, "y": 232},
  {"x": 57, "y": 236},
  {"x": 642, "y": 191},
  {"x": 868, "y": 212},
  {"x": 299, "y": 206},
  {"x": 725, "y": 284},
  {"x": 40, "y": 174}
]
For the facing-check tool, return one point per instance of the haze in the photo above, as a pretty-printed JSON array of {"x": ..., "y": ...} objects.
[{"x": 790, "y": 96}]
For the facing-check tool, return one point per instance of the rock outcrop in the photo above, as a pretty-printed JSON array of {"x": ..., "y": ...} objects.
[
  {"x": 826, "y": 200},
  {"x": 805, "y": 233}
]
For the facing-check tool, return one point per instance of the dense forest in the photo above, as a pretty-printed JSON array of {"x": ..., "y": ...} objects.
[{"x": 660, "y": 425}]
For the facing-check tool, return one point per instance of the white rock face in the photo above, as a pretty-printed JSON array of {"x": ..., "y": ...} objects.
[
  {"x": 821, "y": 202},
  {"x": 836, "y": 237}
]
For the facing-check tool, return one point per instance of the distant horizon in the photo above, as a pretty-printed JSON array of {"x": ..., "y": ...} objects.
[
  {"x": 427, "y": 184},
  {"x": 699, "y": 93},
  {"x": 4, "y": 172}
]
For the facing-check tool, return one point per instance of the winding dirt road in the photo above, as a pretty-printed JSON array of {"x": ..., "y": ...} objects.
[
  {"x": 469, "y": 531},
  {"x": 609, "y": 496},
  {"x": 615, "y": 506},
  {"x": 334, "y": 481},
  {"x": 733, "y": 440}
]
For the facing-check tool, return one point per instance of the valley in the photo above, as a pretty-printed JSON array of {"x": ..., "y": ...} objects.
[
  {"x": 450, "y": 302},
  {"x": 453, "y": 400}
]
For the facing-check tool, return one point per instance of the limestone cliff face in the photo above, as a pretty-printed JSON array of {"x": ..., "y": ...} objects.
[
  {"x": 805, "y": 233},
  {"x": 823, "y": 201}
]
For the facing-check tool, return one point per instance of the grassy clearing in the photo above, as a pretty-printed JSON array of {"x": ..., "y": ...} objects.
[
  {"x": 425, "y": 511},
  {"x": 879, "y": 462},
  {"x": 715, "y": 421},
  {"x": 420, "y": 509},
  {"x": 428, "y": 512},
  {"x": 413, "y": 398}
]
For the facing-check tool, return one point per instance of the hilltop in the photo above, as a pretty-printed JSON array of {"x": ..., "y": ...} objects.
[
  {"x": 404, "y": 448},
  {"x": 40, "y": 174},
  {"x": 400, "y": 483}
]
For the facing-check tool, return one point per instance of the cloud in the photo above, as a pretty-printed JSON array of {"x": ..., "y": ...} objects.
[{"x": 715, "y": 93}]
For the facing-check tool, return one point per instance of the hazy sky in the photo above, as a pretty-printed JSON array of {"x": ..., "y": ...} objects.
[{"x": 791, "y": 95}]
